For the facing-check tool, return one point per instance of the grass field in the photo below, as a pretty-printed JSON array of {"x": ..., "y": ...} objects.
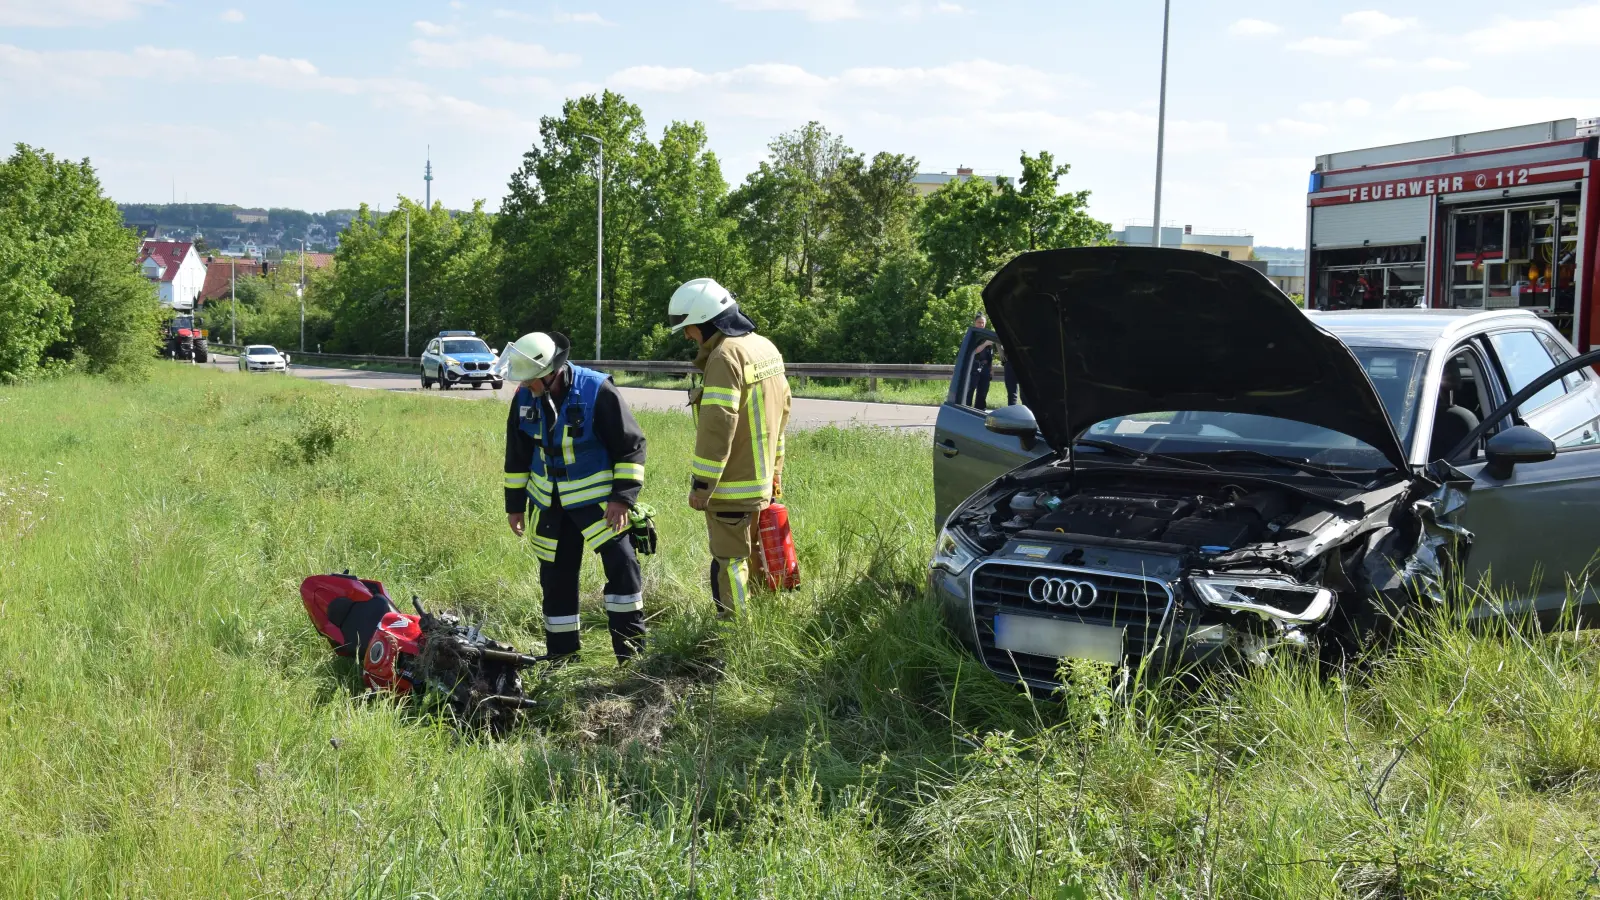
[{"x": 171, "y": 726}]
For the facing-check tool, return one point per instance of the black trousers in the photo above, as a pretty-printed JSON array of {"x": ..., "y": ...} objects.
[
  {"x": 979, "y": 386},
  {"x": 1013, "y": 391},
  {"x": 560, "y": 537}
]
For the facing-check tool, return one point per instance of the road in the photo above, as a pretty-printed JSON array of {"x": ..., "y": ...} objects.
[{"x": 805, "y": 412}]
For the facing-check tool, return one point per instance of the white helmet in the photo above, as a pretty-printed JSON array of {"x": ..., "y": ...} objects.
[
  {"x": 697, "y": 302},
  {"x": 534, "y": 355}
]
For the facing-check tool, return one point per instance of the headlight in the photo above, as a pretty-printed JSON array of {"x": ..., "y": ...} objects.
[
  {"x": 952, "y": 553},
  {"x": 451, "y": 362},
  {"x": 1271, "y": 598}
]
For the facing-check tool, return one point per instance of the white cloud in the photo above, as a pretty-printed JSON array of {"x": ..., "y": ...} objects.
[
  {"x": 1371, "y": 23},
  {"x": 582, "y": 18},
  {"x": 1380, "y": 62},
  {"x": 1441, "y": 64},
  {"x": 1577, "y": 26},
  {"x": 489, "y": 49},
  {"x": 815, "y": 10},
  {"x": 1326, "y": 46},
  {"x": 1325, "y": 109},
  {"x": 431, "y": 29},
  {"x": 68, "y": 13},
  {"x": 1253, "y": 28},
  {"x": 917, "y": 9},
  {"x": 232, "y": 15},
  {"x": 1293, "y": 128},
  {"x": 94, "y": 72},
  {"x": 976, "y": 81},
  {"x": 514, "y": 15},
  {"x": 1462, "y": 101},
  {"x": 523, "y": 85}
]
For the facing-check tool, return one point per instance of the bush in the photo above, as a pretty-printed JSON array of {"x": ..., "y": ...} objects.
[{"x": 325, "y": 422}]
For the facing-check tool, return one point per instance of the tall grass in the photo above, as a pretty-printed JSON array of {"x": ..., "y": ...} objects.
[{"x": 171, "y": 726}]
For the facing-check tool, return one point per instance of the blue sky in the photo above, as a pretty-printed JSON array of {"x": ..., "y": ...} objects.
[{"x": 328, "y": 104}]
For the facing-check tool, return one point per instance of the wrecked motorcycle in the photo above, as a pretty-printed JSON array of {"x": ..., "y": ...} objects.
[{"x": 433, "y": 655}]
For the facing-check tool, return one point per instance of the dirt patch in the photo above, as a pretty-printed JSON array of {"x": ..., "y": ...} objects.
[{"x": 637, "y": 712}]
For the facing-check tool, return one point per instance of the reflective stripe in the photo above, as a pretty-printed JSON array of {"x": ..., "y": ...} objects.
[
  {"x": 717, "y": 396},
  {"x": 585, "y": 496},
  {"x": 602, "y": 476},
  {"x": 597, "y": 534},
  {"x": 740, "y": 490},
  {"x": 782, "y": 444},
  {"x": 558, "y": 624},
  {"x": 736, "y": 579},
  {"x": 628, "y": 471},
  {"x": 758, "y": 430},
  {"x": 516, "y": 480},
  {"x": 708, "y": 466},
  {"x": 621, "y": 603},
  {"x": 566, "y": 446}
]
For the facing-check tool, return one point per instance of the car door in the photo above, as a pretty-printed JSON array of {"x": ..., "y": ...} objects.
[
  {"x": 967, "y": 456},
  {"x": 430, "y": 359},
  {"x": 1535, "y": 534}
]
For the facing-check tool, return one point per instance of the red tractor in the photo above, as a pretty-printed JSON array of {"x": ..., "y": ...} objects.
[{"x": 183, "y": 338}]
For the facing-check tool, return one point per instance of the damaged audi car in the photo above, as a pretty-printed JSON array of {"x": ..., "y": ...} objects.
[{"x": 1203, "y": 470}]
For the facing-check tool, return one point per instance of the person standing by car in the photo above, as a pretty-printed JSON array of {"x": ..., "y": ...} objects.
[
  {"x": 740, "y": 415},
  {"x": 1013, "y": 390},
  {"x": 574, "y": 449},
  {"x": 982, "y": 369}
]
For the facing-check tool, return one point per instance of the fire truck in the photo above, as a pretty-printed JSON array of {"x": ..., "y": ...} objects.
[{"x": 1504, "y": 219}]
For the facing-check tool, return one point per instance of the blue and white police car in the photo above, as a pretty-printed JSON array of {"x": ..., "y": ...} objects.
[{"x": 458, "y": 358}]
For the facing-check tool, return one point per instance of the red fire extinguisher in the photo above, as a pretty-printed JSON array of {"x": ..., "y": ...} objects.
[{"x": 780, "y": 565}]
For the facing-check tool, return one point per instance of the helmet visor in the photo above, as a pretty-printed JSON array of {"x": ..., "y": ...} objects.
[
  {"x": 677, "y": 322},
  {"x": 519, "y": 366}
]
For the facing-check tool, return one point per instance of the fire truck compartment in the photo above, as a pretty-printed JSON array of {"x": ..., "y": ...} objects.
[{"x": 1504, "y": 219}]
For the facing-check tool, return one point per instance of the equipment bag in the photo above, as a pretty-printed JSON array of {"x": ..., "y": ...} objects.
[
  {"x": 779, "y": 563},
  {"x": 642, "y": 529}
]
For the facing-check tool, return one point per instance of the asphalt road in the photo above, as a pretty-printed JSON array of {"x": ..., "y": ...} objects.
[{"x": 805, "y": 413}]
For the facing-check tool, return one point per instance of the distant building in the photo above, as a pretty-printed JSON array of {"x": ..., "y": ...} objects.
[
  {"x": 1226, "y": 243},
  {"x": 176, "y": 270},
  {"x": 250, "y": 216},
  {"x": 1290, "y": 277},
  {"x": 925, "y": 183}
]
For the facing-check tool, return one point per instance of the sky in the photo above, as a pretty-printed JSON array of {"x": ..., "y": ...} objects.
[{"x": 323, "y": 105}]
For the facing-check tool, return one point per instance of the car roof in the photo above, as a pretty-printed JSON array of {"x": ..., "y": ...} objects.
[
  {"x": 1412, "y": 329},
  {"x": 261, "y": 347}
]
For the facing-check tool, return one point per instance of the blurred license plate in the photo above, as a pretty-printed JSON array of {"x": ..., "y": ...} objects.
[{"x": 1053, "y": 637}]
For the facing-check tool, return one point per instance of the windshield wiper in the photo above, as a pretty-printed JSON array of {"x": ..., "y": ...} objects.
[
  {"x": 1283, "y": 462},
  {"x": 1130, "y": 453}
]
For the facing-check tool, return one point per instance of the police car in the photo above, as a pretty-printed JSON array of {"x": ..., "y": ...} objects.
[{"x": 457, "y": 358}]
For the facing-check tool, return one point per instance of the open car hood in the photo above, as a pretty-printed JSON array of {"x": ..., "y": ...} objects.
[{"x": 1098, "y": 332}]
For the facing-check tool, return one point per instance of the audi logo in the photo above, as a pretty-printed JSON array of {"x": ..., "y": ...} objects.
[{"x": 1063, "y": 592}]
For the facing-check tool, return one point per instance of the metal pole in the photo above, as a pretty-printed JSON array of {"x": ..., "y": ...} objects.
[
  {"x": 233, "y": 327},
  {"x": 408, "y": 283},
  {"x": 1161, "y": 122},
  {"x": 600, "y": 237},
  {"x": 302, "y": 293}
]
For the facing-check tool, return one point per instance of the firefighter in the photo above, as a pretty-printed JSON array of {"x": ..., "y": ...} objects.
[
  {"x": 741, "y": 412},
  {"x": 574, "y": 449}
]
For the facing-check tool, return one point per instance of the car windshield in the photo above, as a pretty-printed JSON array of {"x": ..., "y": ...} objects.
[
  {"x": 1395, "y": 373},
  {"x": 465, "y": 345},
  {"x": 262, "y": 351}
]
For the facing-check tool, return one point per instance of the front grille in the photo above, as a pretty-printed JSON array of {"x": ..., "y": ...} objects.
[
  {"x": 1138, "y": 605},
  {"x": 476, "y": 366}
]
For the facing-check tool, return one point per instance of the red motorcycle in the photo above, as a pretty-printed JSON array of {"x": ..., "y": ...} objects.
[{"x": 432, "y": 655}]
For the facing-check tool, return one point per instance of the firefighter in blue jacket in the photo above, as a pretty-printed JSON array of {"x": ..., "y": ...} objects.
[{"x": 574, "y": 449}]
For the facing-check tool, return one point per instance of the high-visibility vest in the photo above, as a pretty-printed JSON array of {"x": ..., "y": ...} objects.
[{"x": 571, "y": 462}]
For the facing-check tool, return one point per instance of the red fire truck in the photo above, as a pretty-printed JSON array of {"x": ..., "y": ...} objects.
[{"x": 1493, "y": 220}]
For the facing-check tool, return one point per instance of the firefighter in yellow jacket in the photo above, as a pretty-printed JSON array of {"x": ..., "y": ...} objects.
[{"x": 741, "y": 412}]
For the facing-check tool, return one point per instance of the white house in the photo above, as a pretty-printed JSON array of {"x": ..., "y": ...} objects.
[{"x": 176, "y": 269}]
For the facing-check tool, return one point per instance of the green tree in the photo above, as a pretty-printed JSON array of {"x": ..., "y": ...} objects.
[
  {"x": 70, "y": 292},
  {"x": 1033, "y": 216}
]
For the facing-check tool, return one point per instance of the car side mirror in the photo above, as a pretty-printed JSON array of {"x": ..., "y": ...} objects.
[
  {"x": 1518, "y": 444},
  {"x": 1014, "y": 421},
  {"x": 286, "y": 359}
]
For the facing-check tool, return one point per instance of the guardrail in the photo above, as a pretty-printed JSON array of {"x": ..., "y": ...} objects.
[{"x": 869, "y": 371}]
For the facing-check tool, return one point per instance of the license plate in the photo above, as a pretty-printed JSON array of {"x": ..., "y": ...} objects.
[{"x": 1053, "y": 637}]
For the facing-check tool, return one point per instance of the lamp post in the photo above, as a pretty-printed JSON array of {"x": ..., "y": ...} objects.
[
  {"x": 408, "y": 282},
  {"x": 300, "y": 290},
  {"x": 600, "y": 234},
  {"x": 1161, "y": 121},
  {"x": 233, "y": 326}
]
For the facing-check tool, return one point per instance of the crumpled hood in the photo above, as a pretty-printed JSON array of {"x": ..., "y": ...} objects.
[{"x": 1098, "y": 332}]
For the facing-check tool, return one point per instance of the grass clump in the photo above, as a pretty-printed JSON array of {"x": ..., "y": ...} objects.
[{"x": 171, "y": 726}]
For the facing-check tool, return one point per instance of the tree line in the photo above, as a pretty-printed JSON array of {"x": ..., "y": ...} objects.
[
  {"x": 71, "y": 296},
  {"x": 832, "y": 253}
]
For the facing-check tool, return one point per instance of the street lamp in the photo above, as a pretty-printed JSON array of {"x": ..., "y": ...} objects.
[
  {"x": 600, "y": 234},
  {"x": 408, "y": 281},
  {"x": 1161, "y": 122},
  {"x": 300, "y": 291}
]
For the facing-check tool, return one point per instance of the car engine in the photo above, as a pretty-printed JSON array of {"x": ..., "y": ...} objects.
[{"x": 1218, "y": 520}]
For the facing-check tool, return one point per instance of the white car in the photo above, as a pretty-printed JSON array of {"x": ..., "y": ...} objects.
[{"x": 263, "y": 358}]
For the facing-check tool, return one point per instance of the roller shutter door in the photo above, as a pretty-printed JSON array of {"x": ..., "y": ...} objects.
[{"x": 1380, "y": 222}]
